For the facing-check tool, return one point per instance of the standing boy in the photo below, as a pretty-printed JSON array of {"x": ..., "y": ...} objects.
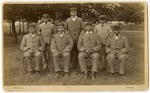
[
  {"x": 103, "y": 29},
  {"x": 47, "y": 29},
  {"x": 74, "y": 25}
]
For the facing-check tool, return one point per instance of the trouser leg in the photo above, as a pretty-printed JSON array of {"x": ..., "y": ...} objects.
[
  {"x": 82, "y": 62},
  {"x": 111, "y": 59},
  {"x": 66, "y": 61}
]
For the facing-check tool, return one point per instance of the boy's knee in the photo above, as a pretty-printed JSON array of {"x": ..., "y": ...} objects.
[
  {"x": 81, "y": 55},
  {"x": 111, "y": 57},
  {"x": 123, "y": 57}
]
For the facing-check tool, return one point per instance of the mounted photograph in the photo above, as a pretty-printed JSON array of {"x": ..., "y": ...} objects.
[{"x": 80, "y": 46}]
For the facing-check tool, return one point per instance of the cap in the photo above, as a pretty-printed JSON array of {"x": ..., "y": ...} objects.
[
  {"x": 73, "y": 9},
  {"x": 102, "y": 17},
  {"x": 45, "y": 16}
]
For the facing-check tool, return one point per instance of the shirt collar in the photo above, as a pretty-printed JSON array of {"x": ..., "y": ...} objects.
[
  {"x": 116, "y": 37},
  {"x": 61, "y": 34},
  {"x": 32, "y": 35},
  {"x": 73, "y": 18},
  {"x": 89, "y": 32}
]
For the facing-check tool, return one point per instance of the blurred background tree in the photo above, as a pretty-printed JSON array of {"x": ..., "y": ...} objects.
[{"x": 20, "y": 15}]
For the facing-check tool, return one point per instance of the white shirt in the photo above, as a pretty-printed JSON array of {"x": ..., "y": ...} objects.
[
  {"x": 74, "y": 18},
  {"x": 116, "y": 37},
  {"x": 61, "y": 34},
  {"x": 89, "y": 32}
]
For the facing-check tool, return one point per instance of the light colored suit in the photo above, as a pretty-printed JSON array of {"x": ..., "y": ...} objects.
[
  {"x": 61, "y": 45},
  {"x": 88, "y": 41},
  {"x": 47, "y": 29},
  {"x": 32, "y": 47},
  {"x": 103, "y": 32},
  {"x": 117, "y": 48}
]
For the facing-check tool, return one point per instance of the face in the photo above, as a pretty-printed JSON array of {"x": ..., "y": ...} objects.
[
  {"x": 102, "y": 20},
  {"x": 88, "y": 28},
  {"x": 73, "y": 13},
  {"x": 61, "y": 28},
  {"x": 116, "y": 32},
  {"x": 45, "y": 19},
  {"x": 32, "y": 30}
]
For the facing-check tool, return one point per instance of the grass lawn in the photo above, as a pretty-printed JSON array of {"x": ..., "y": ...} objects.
[{"x": 13, "y": 70}]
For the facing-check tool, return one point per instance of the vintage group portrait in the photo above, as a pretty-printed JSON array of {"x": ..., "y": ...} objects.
[{"x": 80, "y": 46}]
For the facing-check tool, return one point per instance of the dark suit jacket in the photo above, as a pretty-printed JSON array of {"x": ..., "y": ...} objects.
[{"x": 74, "y": 27}]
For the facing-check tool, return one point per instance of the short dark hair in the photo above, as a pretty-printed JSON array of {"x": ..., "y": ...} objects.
[
  {"x": 32, "y": 25},
  {"x": 116, "y": 27},
  {"x": 88, "y": 23},
  {"x": 61, "y": 24}
]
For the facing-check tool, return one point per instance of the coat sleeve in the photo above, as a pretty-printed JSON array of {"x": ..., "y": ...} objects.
[
  {"x": 53, "y": 29},
  {"x": 41, "y": 48},
  {"x": 95, "y": 29},
  {"x": 66, "y": 25},
  {"x": 70, "y": 45},
  {"x": 126, "y": 46},
  {"x": 82, "y": 24},
  {"x": 107, "y": 47},
  {"x": 98, "y": 46},
  {"x": 53, "y": 46},
  {"x": 23, "y": 45},
  {"x": 80, "y": 44}
]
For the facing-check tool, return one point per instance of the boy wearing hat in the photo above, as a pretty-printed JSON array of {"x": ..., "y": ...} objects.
[
  {"x": 74, "y": 25},
  {"x": 103, "y": 30},
  {"x": 116, "y": 48},
  {"x": 32, "y": 45},
  {"x": 46, "y": 31},
  {"x": 89, "y": 47},
  {"x": 61, "y": 46}
]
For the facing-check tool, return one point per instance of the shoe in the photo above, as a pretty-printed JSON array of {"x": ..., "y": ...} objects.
[
  {"x": 85, "y": 76},
  {"x": 44, "y": 66},
  {"x": 57, "y": 75},
  {"x": 37, "y": 74},
  {"x": 66, "y": 75},
  {"x": 121, "y": 75},
  {"x": 111, "y": 74}
]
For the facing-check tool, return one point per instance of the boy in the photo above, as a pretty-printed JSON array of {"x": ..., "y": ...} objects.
[
  {"x": 89, "y": 47},
  {"x": 117, "y": 48},
  {"x": 61, "y": 47},
  {"x": 74, "y": 25},
  {"x": 47, "y": 29},
  {"x": 103, "y": 30},
  {"x": 32, "y": 45}
]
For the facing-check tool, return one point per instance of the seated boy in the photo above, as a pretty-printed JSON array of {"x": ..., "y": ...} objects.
[
  {"x": 32, "y": 45},
  {"x": 89, "y": 47},
  {"x": 117, "y": 48},
  {"x": 61, "y": 45}
]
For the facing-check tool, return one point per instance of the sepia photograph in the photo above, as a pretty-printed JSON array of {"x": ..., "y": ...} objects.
[{"x": 65, "y": 46}]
